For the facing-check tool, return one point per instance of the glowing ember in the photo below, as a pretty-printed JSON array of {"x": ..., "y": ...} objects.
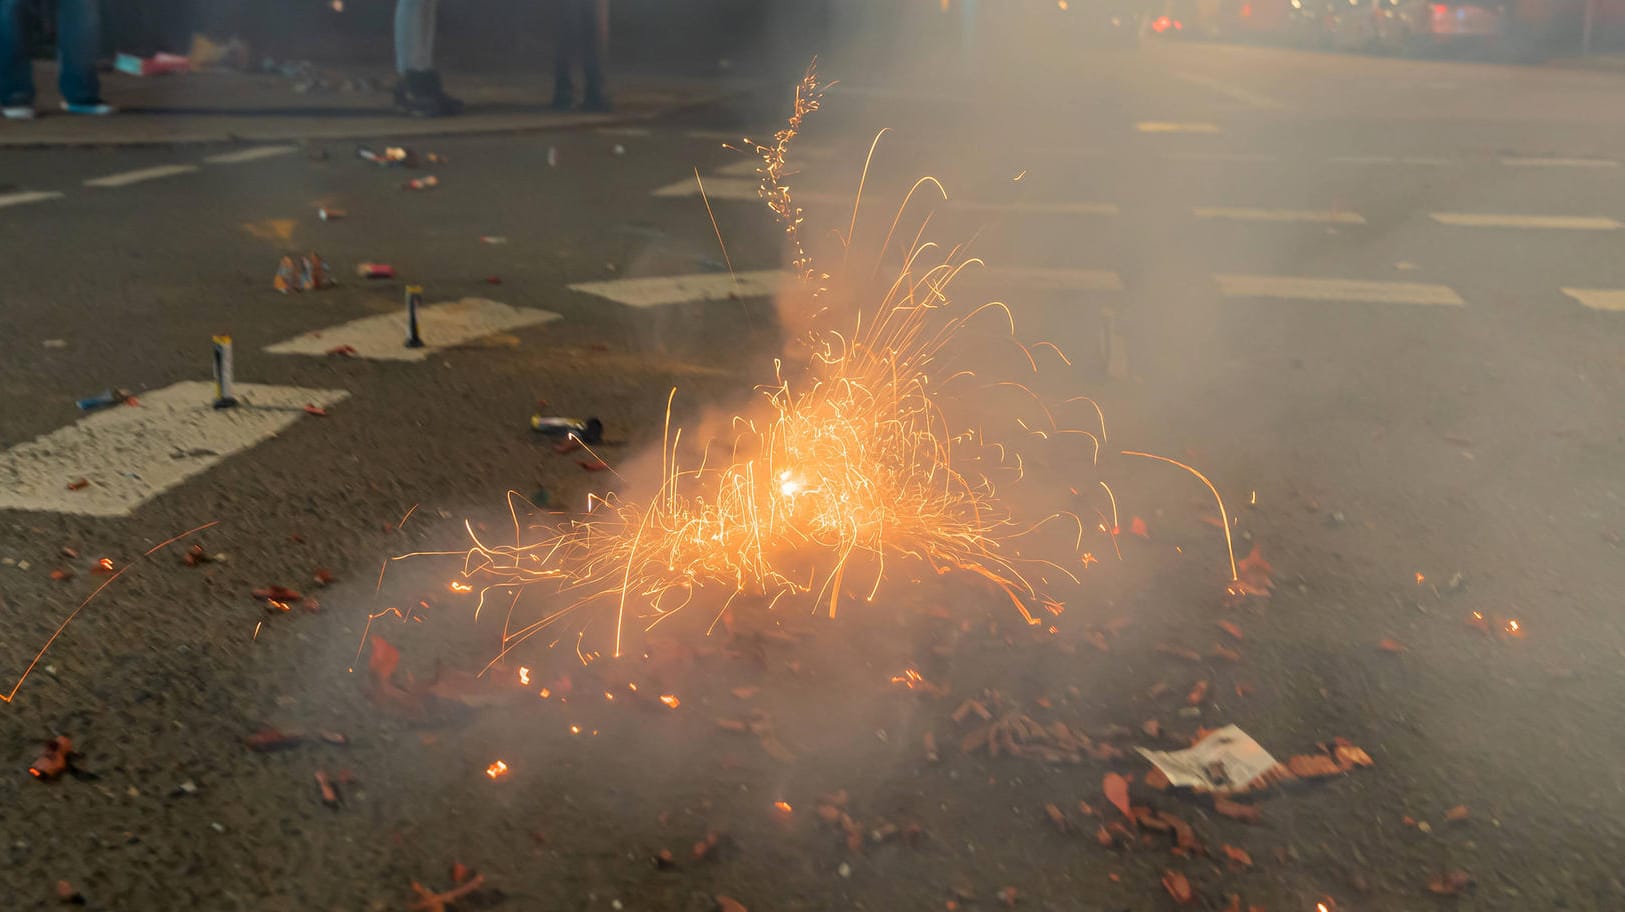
[
  {"x": 524, "y": 675},
  {"x": 461, "y": 587},
  {"x": 1513, "y": 628},
  {"x": 1420, "y": 579},
  {"x": 609, "y": 696},
  {"x": 671, "y": 701},
  {"x": 545, "y": 693},
  {"x": 105, "y": 564},
  {"x": 909, "y": 678},
  {"x": 497, "y": 769},
  {"x": 783, "y": 806},
  {"x": 575, "y": 729}
]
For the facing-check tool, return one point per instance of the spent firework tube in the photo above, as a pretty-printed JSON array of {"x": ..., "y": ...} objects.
[
  {"x": 587, "y": 430},
  {"x": 223, "y": 396},
  {"x": 103, "y": 400},
  {"x": 414, "y": 300}
]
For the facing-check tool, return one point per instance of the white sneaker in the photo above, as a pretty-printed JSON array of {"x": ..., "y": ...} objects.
[
  {"x": 91, "y": 109},
  {"x": 18, "y": 112}
]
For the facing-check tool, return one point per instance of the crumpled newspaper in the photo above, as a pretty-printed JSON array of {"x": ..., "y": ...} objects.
[
  {"x": 308, "y": 272},
  {"x": 1227, "y": 760}
]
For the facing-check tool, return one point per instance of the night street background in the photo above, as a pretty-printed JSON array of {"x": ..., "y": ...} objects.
[{"x": 1378, "y": 300}]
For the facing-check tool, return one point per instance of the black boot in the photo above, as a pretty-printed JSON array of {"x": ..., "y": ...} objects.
[{"x": 420, "y": 94}]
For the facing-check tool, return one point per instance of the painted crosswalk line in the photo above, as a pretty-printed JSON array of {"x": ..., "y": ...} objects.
[
  {"x": 441, "y": 326},
  {"x": 1351, "y": 290},
  {"x": 1555, "y": 222},
  {"x": 130, "y": 455},
  {"x": 1161, "y": 126},
  {"x": 1040, "y": 278},
  {"x": 1422, "y": 160},
  {"x": 1243, "y": 214},
  {"x": 1517, "y": 162},
  {"x": 125, "y": 178},
  {"x": 257, "y": 153},
  {"x": 27, "y": 196},
  {"x": 1609, "y": 299},
  {"x": 657, "y": 291}
]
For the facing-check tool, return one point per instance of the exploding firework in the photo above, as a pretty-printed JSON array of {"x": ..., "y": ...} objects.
[{"x": 849, "y": 468}]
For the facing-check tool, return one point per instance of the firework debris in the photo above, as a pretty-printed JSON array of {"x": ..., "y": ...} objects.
[
  {"x": 1391, "y": 645},
  {"x": 430, "y": 901},
  {"x": 1115, "y": 788},
  {"x": 55, "y": 758},
  {"x": 329, "y": 793},
  {"x": 1232, "y": 630},
  {"x": 308, "y": 272},
  {"x": 270, "y": 739},
  {"x": 1178, "y": 886},
  {"x": 729, "y": 904},
  {"x": 707, "y": 847},
  {"x": 323, "y": 577},
  {"x": 1451, "y": 883},
  {"x": 1457, "y": 814}
]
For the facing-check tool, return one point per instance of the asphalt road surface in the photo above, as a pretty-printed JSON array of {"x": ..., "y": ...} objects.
[{"x": 1379, "y": 303}]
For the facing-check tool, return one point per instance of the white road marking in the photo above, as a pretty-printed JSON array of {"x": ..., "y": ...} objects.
[
  {"x": 1032, "y": 208},
  {"x": 1039, "y": 278},
  {"x": 1159, "y": 126},
  {"x": 27, "y": 196},
  {"x": 1390, "y": 160},
  {"x": 739, "y": 189},
  {"x": 717, "y": 188},
  {"x": 1610, "y": 299},
  {"x": 125, "y": 178},
  {"x": 132, "y": 454},
  {"x": 1356, "y": 290},
  {"x": 441, "y": 326},
  {"x": 745, "y": 167},
  {"x": 1560, "y": 162},
  {"x": 1279, "y": 215},
  {"x": 1494, "y": 220},
  {"x": 248, "y": 155},
  {"x": 1243, "y": 95},
  {"x": 1249, "y": 157},
  {"x": 656, "y": 291}
]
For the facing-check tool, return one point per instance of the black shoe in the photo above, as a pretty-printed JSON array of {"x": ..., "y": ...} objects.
[{"x": 419, "y": 93}]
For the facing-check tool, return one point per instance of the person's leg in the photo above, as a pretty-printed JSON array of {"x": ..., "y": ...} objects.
[
  {"x": 78, "y": 40},
  {"x": 419, "y": 90},
  {"x": 564, "y": 43},
  {"x": 16, "y": 70},
  {"x": 593, "y": 38},
  {"x": 414, "y": 35}
]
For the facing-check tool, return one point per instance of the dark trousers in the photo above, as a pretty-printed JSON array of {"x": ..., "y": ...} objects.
[
  {"x": 577, "y": 41},
  {"x": 78, "y": 35}
]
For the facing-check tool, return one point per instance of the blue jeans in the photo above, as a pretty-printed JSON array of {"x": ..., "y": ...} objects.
[{"x": 78, "y": 38}]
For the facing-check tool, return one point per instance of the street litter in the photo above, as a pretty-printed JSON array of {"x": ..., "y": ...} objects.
[
  {"x": 269, "y": 740},
  {"x": 1227, "y": 760},
  {"x": 421, "y": 183},
  {"x": 587, "y": 430},
  {"x": 392, "y": 157},
  {"x": 159, "y": 64},
  {"x": 375, "y": 270},
  {"x": 308, "y": 272},
  {"x": 430, "y": 901},
  {"x": 78, "y": 485},
  {"x": 331, "y": 215},
  {"x": 343, "y": 351},
  {"x": 105, "y": 399},
  {"x": 55, "y": 758},
  {"x": 316, "y": 410},
  {"x": 493, "y": 239},
  {"x": 330, "y": 795}
]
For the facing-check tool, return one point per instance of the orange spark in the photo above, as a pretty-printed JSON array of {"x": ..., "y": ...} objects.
[
  {"x": 671, "y": 701},
  {"x": 461, "y": 587},
  {"x": 497, "y": 769},
  {"x": 1514, "y": 628},
  {"x": 783, "y": 806},
  {"x": 1420, "y": 579},
  {"x": 575, "y": 729},
  {"x": 524, "y": 675},
  {"x": 545, "y": 693},
  {"x": 105, "y": 564}
]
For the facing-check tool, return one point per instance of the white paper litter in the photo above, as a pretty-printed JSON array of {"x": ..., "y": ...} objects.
[{"x": 1227, "y": 760}]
